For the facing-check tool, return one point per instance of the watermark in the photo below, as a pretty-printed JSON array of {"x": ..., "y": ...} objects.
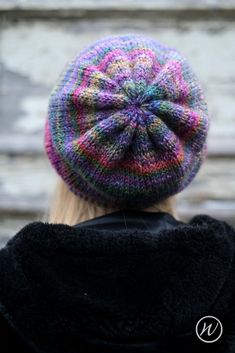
[{"x": 209, "y": 329}]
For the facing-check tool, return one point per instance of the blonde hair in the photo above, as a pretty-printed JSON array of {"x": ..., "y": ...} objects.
[{"x": 65, "y": 207}]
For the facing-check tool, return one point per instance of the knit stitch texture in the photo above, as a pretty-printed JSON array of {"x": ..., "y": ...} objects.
[{"x": 127, "y": 122}]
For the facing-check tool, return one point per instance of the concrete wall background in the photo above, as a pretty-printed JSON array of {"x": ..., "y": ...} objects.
[{"x": 37, "y": 39}]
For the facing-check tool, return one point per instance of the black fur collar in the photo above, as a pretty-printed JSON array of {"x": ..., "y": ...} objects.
[{"x": 74, "y": 289}]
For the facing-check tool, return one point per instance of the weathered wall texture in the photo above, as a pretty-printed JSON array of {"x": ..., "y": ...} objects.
[{"x": 36, "y": 42}]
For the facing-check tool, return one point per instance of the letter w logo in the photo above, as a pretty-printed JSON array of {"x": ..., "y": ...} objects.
[{"x": 208, "y": 328}]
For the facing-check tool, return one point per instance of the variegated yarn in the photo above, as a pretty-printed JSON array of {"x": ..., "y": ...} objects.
[{"x": 127, "y": 122}]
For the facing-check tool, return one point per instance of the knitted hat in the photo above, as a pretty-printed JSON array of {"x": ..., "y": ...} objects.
[{"x": 127, "y": 123}]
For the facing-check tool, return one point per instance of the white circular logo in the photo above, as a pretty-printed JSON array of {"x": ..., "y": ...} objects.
[{"x": 209, "y": 329}]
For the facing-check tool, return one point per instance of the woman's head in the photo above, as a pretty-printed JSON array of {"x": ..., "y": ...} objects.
[{"x": 127, "y": 123}]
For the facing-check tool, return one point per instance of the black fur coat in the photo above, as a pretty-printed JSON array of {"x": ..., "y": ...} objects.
[{"x": 111, "y": 285}]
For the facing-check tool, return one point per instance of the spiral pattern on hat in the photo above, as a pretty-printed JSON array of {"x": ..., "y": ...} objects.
[{"x": 127, "y": 122}]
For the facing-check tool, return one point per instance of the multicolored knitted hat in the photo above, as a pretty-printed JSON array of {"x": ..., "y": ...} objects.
[{"x": 127, "y": 123}]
